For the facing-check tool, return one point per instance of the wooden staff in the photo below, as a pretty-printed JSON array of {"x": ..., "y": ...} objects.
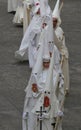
[
  {"x": 61, "y": 5},
  {"x": 58, "y": 117},
  {"x": 40, "y": 116},
  {"x": 28, "y": 15}
]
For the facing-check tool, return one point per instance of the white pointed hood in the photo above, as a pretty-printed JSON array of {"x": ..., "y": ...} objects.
[
  {"x": 50, "y": 30},
  {"x": 49, "y": 80},
  {"x": 50, "y": 89},
  {"x": 37, "y": 6},
  {"x": 56, "y": 12},
  {"x": 43, "y": 52},
  {"x": 46, "y": 55},
  {"x": 50, "y": 34},
  {"x": 44, "y": 8}
]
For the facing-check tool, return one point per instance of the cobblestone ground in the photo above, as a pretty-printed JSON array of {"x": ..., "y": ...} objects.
[{"x": 14, "y": 75}]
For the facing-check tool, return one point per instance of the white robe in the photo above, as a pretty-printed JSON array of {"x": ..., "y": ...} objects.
[
  {"x": 49, "y": 116},
  {"x": 28, "y": 13},
  {"x": 28, "y": 39},
  {"x": 18, "y": 18},
  {"x": 60, "y": 43},
  {"x": 26, "y": 18},
  {"x": 12, "y": 5},
  {"x": 33, "y": 29},
  {"x": 33, "y": 103}
]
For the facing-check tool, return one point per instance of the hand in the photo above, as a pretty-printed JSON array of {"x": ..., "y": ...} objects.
[
  {"x": 60, "y": 114},
  {"x": 25, "y": 115}
]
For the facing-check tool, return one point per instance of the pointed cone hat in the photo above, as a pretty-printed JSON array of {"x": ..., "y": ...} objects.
[
  {"x": 50, "y": 34},
  {"x": 49, "y": 79},
  {"x": 42, "y": 8},
  {"x": 46, "y": 55},
  {"x": 50, "y": 89},
  {"x": 37, "y": 6},
  {"x": 50, "y": 30},
  {"x": 56, "y": 12}
]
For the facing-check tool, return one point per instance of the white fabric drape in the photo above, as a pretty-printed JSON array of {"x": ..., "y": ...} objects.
[{"x": 12, "y": 5}]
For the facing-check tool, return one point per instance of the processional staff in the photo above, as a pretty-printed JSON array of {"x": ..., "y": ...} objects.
[{"x": 40, "y": 116}]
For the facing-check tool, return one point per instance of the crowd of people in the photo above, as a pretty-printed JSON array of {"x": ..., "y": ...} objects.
[{"x": 43, "y": 45}]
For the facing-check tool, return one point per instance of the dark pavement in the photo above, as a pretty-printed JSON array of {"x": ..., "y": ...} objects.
[{"x": 14, "y": 75}]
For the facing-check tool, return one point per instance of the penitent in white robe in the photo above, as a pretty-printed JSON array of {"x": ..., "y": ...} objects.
[
  {"x": 18, "y": 18},
  {"x": 33, "y": 103},
  {"x": 28, "y": 13},
  {"x": 48, "y": 117},
  {"x": 12, "y": 5},
  {"x": 60, "y": 43},
  {"x": 33, "y": 29}
]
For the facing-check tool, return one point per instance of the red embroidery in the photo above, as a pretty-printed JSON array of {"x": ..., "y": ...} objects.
[
  {"x": 46, "y": 101},
  {"x": 34, "y": 88}
]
